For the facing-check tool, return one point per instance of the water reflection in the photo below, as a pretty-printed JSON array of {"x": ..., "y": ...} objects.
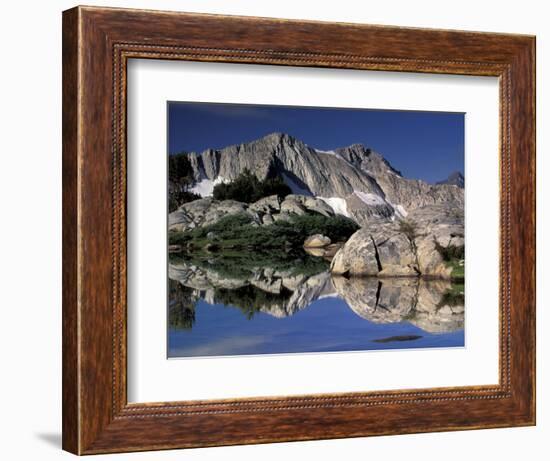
[{"x": 316, "y": 306}]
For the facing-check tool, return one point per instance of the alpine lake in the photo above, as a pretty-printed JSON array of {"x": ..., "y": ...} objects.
[{"x": 280, "y": 302}]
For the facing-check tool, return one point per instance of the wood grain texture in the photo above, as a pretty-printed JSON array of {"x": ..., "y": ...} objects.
[
  {"x": 70, "y": 383},
  {"x": 97, "y": 43}
]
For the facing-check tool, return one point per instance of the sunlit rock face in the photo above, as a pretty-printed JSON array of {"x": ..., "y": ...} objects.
[
  {"x": 399, "y": 191},
  {"x": 203, "y": 212},
  {"x": 207, "y": 211},
  {"x": 444, "y": 223},
  {"x": 317, "y": 241},
  {"x": 299, "y": 164},
  {"x": 389, "y": 300},
  {"x": 386, "y": 249},
  {"x": 376, "y": 250}
]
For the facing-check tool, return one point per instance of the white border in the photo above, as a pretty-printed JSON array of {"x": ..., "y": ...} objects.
[{"x": 153, "y": 378}]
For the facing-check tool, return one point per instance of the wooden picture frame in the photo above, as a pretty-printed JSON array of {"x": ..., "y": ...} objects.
[{"x": 97, "y": 43}]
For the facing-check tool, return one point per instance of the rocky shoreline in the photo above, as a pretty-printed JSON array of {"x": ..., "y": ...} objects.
[
  {"x": 420, "y": 246},
  {"x": 428, "y": 243}
]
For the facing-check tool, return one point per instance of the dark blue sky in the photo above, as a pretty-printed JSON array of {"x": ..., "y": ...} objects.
[{"x": 422, "y": 145}]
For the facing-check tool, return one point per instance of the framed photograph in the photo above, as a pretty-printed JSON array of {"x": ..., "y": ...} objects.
[{"x": 284, "y": 230}]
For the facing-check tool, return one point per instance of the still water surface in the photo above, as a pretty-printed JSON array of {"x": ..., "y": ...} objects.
[{"x": 223, "y": 306}]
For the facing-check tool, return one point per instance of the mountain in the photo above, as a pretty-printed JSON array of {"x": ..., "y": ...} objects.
[
  {"x": 455, "y": 179},
  {"x": 355, "y": 180}
]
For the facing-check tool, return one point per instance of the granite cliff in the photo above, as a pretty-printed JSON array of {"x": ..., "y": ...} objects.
[{"x": 355, "y": 180}]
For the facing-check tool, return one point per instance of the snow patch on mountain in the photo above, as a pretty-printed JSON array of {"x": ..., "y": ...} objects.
[
  {"x": 370, "y": 199},
  {"x": 329, "y": 295},
  {"x": 338, "y": 204},
  {"x": 400, "y": 210},
  {"x": 205, "y": 187},
  {"x": 328, "y": 152}
]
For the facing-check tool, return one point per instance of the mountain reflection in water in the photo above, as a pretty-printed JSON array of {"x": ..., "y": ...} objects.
[{"x": 256, "y": 304}]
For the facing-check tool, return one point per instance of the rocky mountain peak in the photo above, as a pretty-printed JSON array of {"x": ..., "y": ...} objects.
[
  {"x": 456, "y": 178},
  {"x": 278, "y": 136},
  {"x": 367, "y": 159},
  {"x": 355, "y": 180},
  {"x": 274, "y": 141}
]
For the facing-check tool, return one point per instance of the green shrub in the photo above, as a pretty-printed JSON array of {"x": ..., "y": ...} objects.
[
  {"x": 177, "y": 197},
  {"x": 180, "y": 177},
  {"x": 180, "y": 169},
  {"x": 409, "y": 228},
  {"x": 250, "y": 299},
  {"x": 453, "y": 297},
  {"x": 230, "y": 222},
  {"x": 181, "y": 311},
  {"x": 337, "y": 228},
  {"x": 237, "y": 231},
  {"x": 248, "y": 188},
  {"x": 178, "y": 238},
  {"x": 273, "y": 186},
  {"x": 450, "y": 252}
]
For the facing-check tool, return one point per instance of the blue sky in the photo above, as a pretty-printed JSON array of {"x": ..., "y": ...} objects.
[{"x": 422, "y": 145}]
